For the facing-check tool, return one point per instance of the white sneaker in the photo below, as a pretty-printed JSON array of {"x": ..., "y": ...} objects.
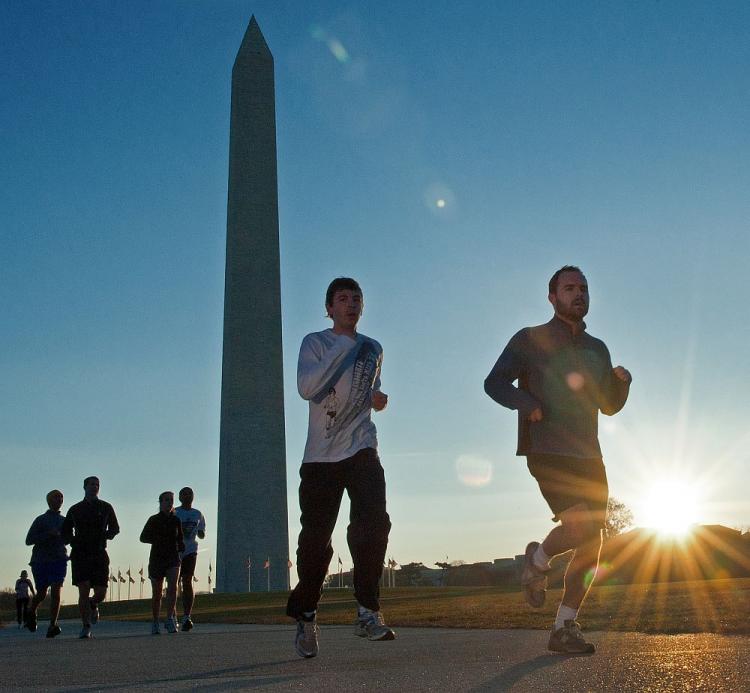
[
  {"x": 306, "y": 639},
  {"x": 370, "y": 625}
]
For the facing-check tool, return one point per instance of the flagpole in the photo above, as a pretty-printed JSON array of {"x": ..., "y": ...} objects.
[{"x": 249, "y": 575}]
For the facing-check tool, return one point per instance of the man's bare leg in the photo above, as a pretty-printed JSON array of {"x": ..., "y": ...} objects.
[
  {"x": 173, "y": 576},
  {"x": 188, "y": 595},
  {"x": 84, "y": 589},
  {"x": 54, "y": 607},
  {"x": 157, "y": 587}
]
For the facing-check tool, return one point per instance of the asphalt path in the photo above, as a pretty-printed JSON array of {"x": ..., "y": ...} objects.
[{"x": 216, "y": 657}]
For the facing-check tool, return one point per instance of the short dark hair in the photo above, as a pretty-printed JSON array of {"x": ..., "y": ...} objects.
[
  {"x": 54, "y": 492},
  {"x": 166, "y": 493},
  {"x": 89, "y": 478},
  {"x": 556, "y": 276},
  {"x": 339, "y": 284}
]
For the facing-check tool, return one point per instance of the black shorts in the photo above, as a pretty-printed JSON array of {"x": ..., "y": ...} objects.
[
  {"x": 92, "y": 569},
  {"x": 568, "y": 481},
  {"x": 187, "y": 570},
  {"x": 158, "y": 571}
]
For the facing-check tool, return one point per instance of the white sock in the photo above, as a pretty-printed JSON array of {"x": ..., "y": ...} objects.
[
  {"x": 565, "y": 613},
  {"x": 541, "y": 559},
  {"x": 363, "y": 610}
]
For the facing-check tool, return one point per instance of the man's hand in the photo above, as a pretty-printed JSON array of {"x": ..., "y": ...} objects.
[
  {"x": 535, "y": 415},
  {"x": 379, "y": 400},
  {"x": 623, "y": 374}
]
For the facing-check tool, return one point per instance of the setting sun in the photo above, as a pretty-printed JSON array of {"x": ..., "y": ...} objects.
[{"x": 671, "y": 507}]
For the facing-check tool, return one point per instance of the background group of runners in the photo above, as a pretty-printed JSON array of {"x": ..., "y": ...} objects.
[
  {"x": 556, "y": 376},
  {"x": 87, "y": 527}
]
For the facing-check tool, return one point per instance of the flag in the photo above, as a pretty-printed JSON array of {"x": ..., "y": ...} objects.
[
  {"x": 209, "y": 579},
  {"x": 209, "y": 566},
  {"x": 131, "y": 579},
  {"x": 143, "y": 579},
  {"x": 119, "y": 576},
  {"x": 267, "y": 564},
  {"x": 140, "y": 572},
  {"x": 195, "y": 578},
  {"x": 340, "y": 561},
  {"x": 249, "y": 563},
  {"x": 113, "y": 578},
  {"x": 127, "y": 572},
  {"x": 288, "y": 563}
]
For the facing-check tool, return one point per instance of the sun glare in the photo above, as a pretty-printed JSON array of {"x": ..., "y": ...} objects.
[{"x": 671, "y": 507}]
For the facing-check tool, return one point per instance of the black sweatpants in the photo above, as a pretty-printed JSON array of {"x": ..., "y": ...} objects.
[
  {"x": 22, "y": 608},
  {"x": 321, "y": 488}
]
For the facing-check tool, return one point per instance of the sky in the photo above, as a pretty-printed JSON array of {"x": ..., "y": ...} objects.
[{"x": 450, "y": 157}]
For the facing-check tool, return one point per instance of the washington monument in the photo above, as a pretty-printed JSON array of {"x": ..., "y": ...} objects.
[{"x": 252, "y": 512}]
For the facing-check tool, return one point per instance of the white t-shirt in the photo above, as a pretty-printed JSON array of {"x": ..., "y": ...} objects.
[
  {"x": 337, "y": 375},
  {"x": 192, "y": 522}
]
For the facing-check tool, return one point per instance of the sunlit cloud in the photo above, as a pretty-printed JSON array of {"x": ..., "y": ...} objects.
[{"x": 473, "y": 471}]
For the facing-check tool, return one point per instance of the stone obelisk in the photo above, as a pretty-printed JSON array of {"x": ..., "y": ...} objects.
[{"x": 252, "y": 508}]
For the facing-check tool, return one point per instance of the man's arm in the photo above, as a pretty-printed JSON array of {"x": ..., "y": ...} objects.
[
  {"x": 615, "y": 389},
  {"x": 66, "y": 531},
  {"x": 113, "y": 527},
  {"x": 35, "y": 534},
  {"x": 201, "y": 529},
  {"x": 317, "y": 366},
  {"x": 147, "y": 535},
  {"x": 508, "y": 368},
  {"x": 180, "y": 537}
]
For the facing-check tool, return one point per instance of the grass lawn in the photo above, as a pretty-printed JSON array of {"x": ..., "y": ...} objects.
[{"x": 717, "y": 606}]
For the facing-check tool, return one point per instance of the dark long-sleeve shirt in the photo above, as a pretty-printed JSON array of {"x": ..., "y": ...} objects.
[
  {"x": 164, "y": 533},
  {"x": 87, "y": 527},
  {"x": 46, "y": 538},
  {"x": 569, "y": 377}
]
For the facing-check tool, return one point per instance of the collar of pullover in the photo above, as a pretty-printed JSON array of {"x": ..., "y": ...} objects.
[{"x": 560, "y": 325}]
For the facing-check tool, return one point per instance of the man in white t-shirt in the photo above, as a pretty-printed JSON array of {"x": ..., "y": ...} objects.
[
  {"x": 339, "y": 375},
  {"x": 193, "y": 525}
]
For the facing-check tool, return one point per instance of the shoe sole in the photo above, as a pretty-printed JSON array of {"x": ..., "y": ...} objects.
[
  {"x": 390, "y": 635},
  {"x": 563, "y": 650},
  {"x": 535, "y": 598}
]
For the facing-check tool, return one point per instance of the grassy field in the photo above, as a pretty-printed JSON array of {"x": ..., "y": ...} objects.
[{"x": 717, "y": 606}]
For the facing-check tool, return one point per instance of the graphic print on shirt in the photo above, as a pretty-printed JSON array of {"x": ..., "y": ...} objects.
[
  {"x": 364, "y": 372},
  {"x": 331, "y": 406}
]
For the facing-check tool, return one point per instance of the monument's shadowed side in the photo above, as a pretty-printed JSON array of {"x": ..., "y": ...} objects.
[{"x": 252, "y": 509}]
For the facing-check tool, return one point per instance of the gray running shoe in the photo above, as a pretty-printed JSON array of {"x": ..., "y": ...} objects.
[
  {"x": 187, "y": 624},
  {"x": 171, "y": 625},
  {"x": 370, "y": 625},
  {"x": 533, "y": 579},
  {"x": 155, "y": 630},
  {"x": 85, "y": 633},
  {"x": 94, "y": 606},
  {"x": 570, "y": 640},
  {"x": 53, "y": 631},
  {"x": 306, "y": 639}
]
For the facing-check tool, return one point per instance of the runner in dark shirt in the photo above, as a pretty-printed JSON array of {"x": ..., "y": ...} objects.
[
  {"x": 565, "y": 378},
  {"x": 49, "y": 562},
  {"x": 87, "y": 528},
  {"x": 164, "y": 532}
]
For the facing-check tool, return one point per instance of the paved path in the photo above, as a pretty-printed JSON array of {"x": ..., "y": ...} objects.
[{"x": 216, "y": 657}]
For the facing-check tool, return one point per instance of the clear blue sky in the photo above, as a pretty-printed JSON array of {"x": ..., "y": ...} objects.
[{"x": 609, "y": 135}]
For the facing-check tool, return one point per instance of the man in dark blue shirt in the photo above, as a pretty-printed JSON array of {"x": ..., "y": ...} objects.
[
  {"x": 565, "y": 378},
  {"x": 49, "y": 561}
]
